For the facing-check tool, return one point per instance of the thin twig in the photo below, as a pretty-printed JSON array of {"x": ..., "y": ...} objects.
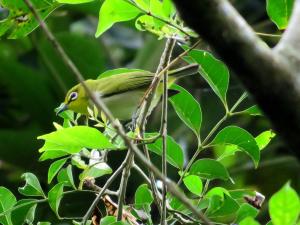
[
  {"x": 133, "y": 3},
  {"x": 172, "y": 187},
  {"x": 123, "y": 184},
  {"x": 164, "y": 128}
]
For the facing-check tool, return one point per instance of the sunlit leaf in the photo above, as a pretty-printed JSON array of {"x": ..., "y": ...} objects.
[
  {"x": 113, "y": 11},
  {"x": 108, "y": 220},
  {"x": 253, "y": 111},
  {"x": 193, "y": 184},
  {"x": 284, "y": 206},
  {"x": 54, "y": 168},
  {"x": 20, "y": 21},
  {"x": 249, "y": 221},
  {"x": 280, "y": 11},
  {"x": 143, "y": 197},
  {"x": 32, "y": 186},
  {"x": 71, "y": 140},
  {"x": 264, "y": 139},
  {"x": 74, "y": 1}
]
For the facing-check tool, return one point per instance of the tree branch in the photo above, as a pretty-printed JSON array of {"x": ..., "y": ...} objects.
[{"x": 266, "y": 74}]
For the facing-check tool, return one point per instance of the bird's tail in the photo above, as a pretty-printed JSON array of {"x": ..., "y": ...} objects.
[{"x": 184, "y": 71}]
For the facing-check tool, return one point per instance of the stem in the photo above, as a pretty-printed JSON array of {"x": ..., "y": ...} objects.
[
  {"x": 123, "y": 183},
  {"x": 133, "y": 3},
  {"x": 238, "y": 102},
  {"x": 107, "y": 184}
]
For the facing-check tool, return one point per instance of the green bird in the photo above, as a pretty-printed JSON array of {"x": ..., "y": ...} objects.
[{"x": 122, "y": 93}]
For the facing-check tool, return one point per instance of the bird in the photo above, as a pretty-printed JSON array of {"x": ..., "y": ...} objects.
[{"x": 122, "y": 93}]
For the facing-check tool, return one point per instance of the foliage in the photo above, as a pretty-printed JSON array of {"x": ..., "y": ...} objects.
[{"x": 78, "y": 151}]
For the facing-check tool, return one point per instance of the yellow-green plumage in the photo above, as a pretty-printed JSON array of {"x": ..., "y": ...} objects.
[{"x": 122, "y": 93}]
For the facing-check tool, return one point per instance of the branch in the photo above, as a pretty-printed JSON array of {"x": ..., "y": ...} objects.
[
  {"x": 266, "y": 74},
  {"x": 172, "y": 187}
]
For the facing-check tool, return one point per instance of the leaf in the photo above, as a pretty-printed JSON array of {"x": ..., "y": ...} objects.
[
  {"x": 66, "y": 176},
  {"x": 43, "y": 223},
  {"x": 193, "y": 184},
  {"x": 228, "y": 207},
  {"x": 213, "y": 71},
  {"x": 113, "y": 11},
  {"x": 7, "y": 201},
  {"x": 96, "y": 170},
  {"x": 74, "y": 1},
  {"x": 253, "y": 111},
  {"x": 209, "y": 169},
  {"x": 249, "y": 221},
  {"x": 54, "y": 197},
  {"x": 143, "y": 197},
  {"x": 20, "y": 21},
  {"x": 233, "y": 135},
  {"x": 108, "y": 220},
  {"x": 32, "y": 186},
  {"x": 168, "y": 8},
  {"x": 217, "y": 191},
  {"x": 284, "y": 206},
  {"x": 71, "y": 140},
  {"x": 54, "y": 168},
  {"x": 244, "y": 211},
  {"x": 119, "y": 71},
  {"x": 174, "y": 151},
  {"x": 280, "y": 11},
  {"x": 187, "y": 108},
  {"x": 26, "y": 213},
  {"x": 264, "y": 139}
]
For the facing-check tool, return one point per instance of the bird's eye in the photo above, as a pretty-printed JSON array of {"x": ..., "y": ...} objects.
[{"x": 73, "y": 96}]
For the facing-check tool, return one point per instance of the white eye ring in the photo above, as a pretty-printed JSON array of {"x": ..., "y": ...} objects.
[{"x": 73, "y": 96}]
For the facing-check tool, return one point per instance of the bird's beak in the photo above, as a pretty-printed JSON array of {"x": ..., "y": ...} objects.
[{"x": 61, "y": 108}]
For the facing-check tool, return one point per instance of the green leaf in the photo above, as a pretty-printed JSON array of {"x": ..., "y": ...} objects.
[
  {"x": 227, "y": 207},
  {"x": 66, "y": 176},
  {"x": 43, "y": 223},
  {"x": 168, "y": 8},
  {"x": 209, "y": 169},
  {"x": 54, "y": 197},
  {"x": 7, "y": 201},
  {"x": 233, "y": 135},
  {"x": 119, "y": 71},
  {"x": 71, "y": 140},
  {"x": 95, "y": 170},
  {"x": 187, "y": 108},
  {"x": 219, "y": 191},
  {"x": 193, "y": 184},
  {"x": 284, "y": 206},
  {"x": 108, "y": 220},
  {"x": 244, "y": 211},
  {"x": 113, "y": 11},
  {"x": 213, "y": 71},
  {"x": 143, "y": 197},
  {"x": 174, "y": 151},
  {"x": 249, "y": 221},
  {"x": 26, "y": 213},
  {"x": 54, "y": 168},
  {"x": 20, "y": 21},
  {"x": 74, "y": 1},
  {"x": 280, "y": 11},
  {"x": 253, "y": 111},
  {"x": 32, "y": 186},
  {"x": 264, "y": 139}
]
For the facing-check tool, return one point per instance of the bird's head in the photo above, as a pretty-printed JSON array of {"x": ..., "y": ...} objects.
[{"x": 75, "y": 100}]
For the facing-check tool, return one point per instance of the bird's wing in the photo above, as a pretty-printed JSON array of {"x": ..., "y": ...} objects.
[{"x": 123, "y": 82}]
